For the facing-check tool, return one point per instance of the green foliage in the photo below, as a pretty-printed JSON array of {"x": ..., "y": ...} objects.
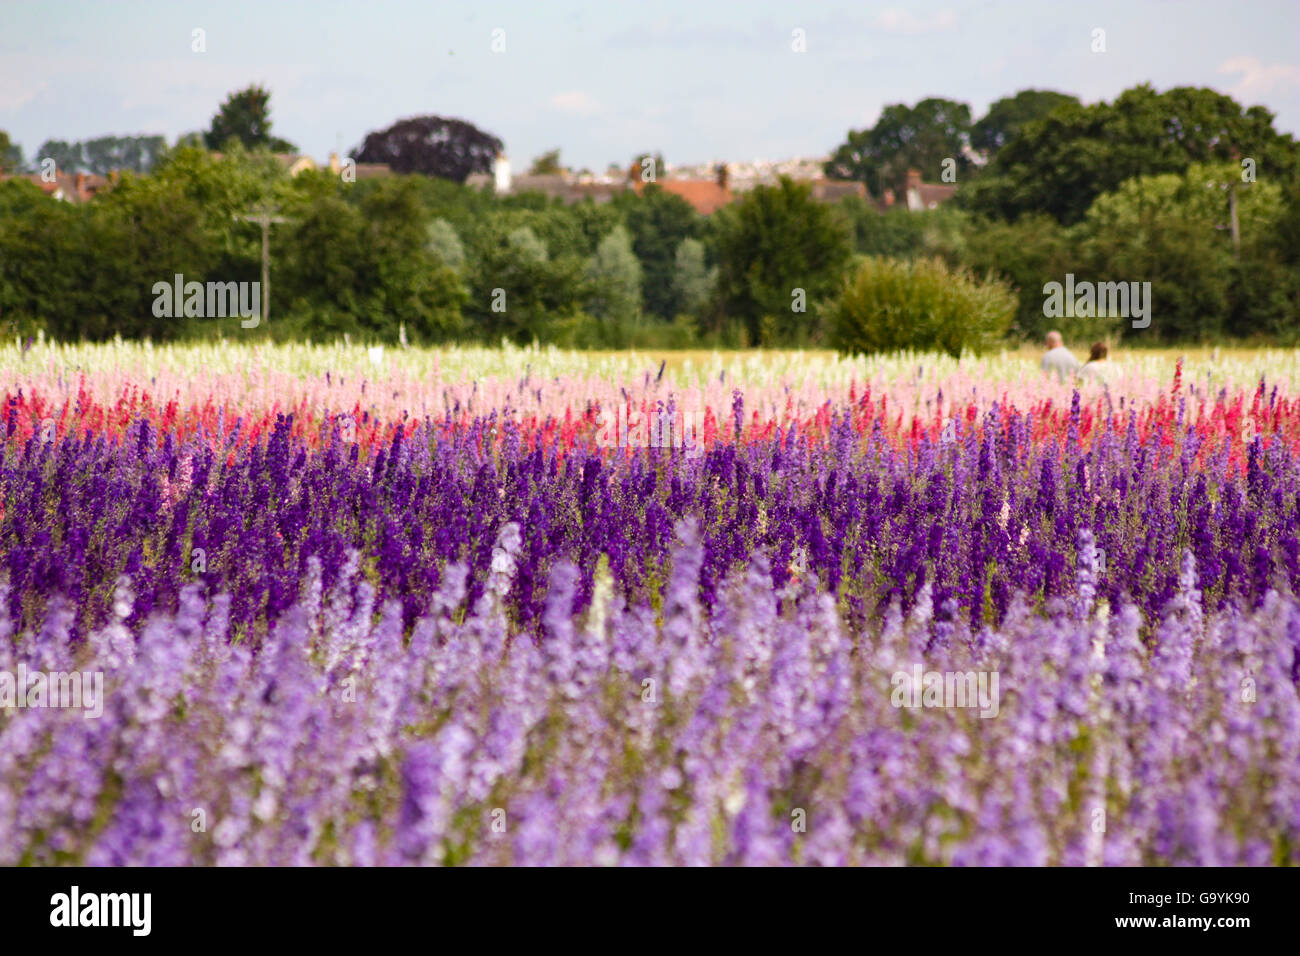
[
  {"x": 773, "y": 242},
  {"x": 593, "y": 221},
  {"x": 1200, "y": 195},
  {"x": 1060, "y": 164},
  {"x": 1285, "y": 241},
  {"x": 549, "y": 220},
  {"x": 245, "y": 116},
  {"x": 147, "y": 231},
  {"x": 40, "y": 241},
  {"x": 105, "y": 154},
  {"x": 1172, "y": 230},
  {"x": 658, "y": 222},
  {"x": 137, "y": 154},
  {"x": 890, "y": 304},
  {"x": 1265, "y": 300},
  {"x": 584, "y": 331},
  {"x": 1028, "y": 254},
  {"x": 546, "y": 164},
  {"x": 68, "y": 157},
  {"x": 517, "y": 287},
  {"x": 693, "y": 281},
  {"x": 362, "y": 265},
  {"x": 324, "y": 268},
  {"x": 900, "y": 233},
  {"x": 410, "y": 286},
  {"x": 895, "y": 233},
  {"x": 11, "y": 155},
  {"x": 527, "y": 247},
  {"x": 614, "y": 278},
  {"x": 1008, "y": 115},
  {"x": 1169, "y": 229},
  {"x": 905, "y": 137},
  {"x": 445, "y": 245},
  {"x": 1131, "y": 191}
]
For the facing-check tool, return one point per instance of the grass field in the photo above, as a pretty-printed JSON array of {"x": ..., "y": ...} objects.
[{"x": 1229, "y": 364}]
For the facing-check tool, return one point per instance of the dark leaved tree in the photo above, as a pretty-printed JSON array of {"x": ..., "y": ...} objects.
[{"x": 432, "y": 145}]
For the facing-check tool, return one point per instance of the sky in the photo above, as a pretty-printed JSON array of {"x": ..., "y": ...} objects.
[{"x": 607, "y": 80}]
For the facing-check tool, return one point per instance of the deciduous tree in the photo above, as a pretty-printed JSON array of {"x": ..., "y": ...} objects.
[
  {"x": 905, "y": 137},
  {"x": 778, "y": 250},
  {"x": 432, "y": 145},
  {"x": 246, "y": 116}
]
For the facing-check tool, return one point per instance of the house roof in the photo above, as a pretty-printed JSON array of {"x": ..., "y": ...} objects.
[
  {"x": 933, "y": 194},
  {"x": 830, "y": 190},
  {"x": 921, "y": 195},
  {"x": 918, "y": 196},
  {"x": 294, "y": 162},
  {"x": 704, "y": 194},
  {"x": 555, "y": 185},
  {"x": 71, "y": 187}
]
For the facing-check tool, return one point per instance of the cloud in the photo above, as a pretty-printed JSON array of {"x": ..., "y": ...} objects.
[
  {"x": 14, "y": 97},
  {"x": 1258, "y": 78},
  {"x": 21, "y": 80},
  {"x": 902, "y": 22},
  {"x": 576, "y": 102}
]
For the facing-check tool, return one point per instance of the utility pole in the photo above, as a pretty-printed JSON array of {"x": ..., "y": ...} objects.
[
  {"x": 264, "y": 215},
  {"x": 1232, "y": 219},
  {"x": 1233, "y": 224}
]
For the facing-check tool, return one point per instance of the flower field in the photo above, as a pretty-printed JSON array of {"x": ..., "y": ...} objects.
[{"x": 495, "y": 606}]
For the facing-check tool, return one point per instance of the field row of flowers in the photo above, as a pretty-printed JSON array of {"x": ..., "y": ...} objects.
[
  {"x": 511, "y": 630},
  {"x": 109, "y": 385},
  {"x": 192, "y": 393}
]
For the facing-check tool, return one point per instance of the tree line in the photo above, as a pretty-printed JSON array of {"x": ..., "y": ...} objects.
[{"x": 1144, "y": 188}]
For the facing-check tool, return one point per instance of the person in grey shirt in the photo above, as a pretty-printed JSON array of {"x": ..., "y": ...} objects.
[{"x": 1059, "y": 359}]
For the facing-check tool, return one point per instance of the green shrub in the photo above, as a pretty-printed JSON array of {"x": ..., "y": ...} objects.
[
  {"x": 1028, "y": 253},
  {"x": 888, "y": 304}
]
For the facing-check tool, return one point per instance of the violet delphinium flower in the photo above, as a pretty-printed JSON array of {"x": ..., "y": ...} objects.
[{"x": 463, "y": 644}]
